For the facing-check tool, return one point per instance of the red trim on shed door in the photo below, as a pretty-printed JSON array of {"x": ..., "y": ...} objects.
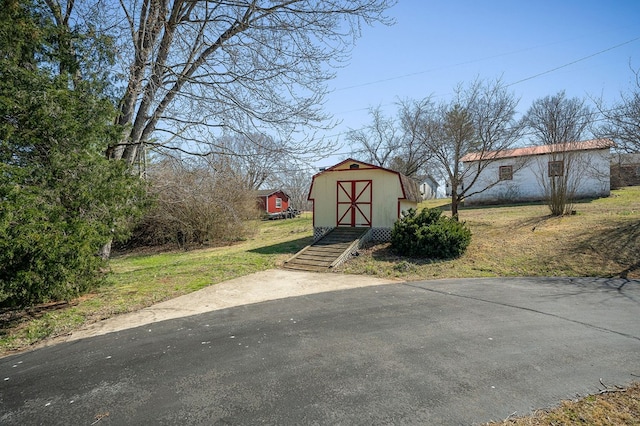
[{"x": 354, "y": 203}]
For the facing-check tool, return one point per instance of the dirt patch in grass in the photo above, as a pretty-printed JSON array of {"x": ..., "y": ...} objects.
[{"x": 611, "y": 407}]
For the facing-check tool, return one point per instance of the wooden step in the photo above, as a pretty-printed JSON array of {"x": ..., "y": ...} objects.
[
  {"x": 326, "y": 264},
  {"x": 323, "y": 253},
  {"x": 332, "y": 251},
  {"x": 316, "y": 257},
  {"x": 307, "y": 268}
]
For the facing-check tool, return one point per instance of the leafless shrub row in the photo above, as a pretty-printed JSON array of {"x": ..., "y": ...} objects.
[{"x": 195, "y": 204}]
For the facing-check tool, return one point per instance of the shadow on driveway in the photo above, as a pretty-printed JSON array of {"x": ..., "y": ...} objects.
[{"x": 430, "y": 352}]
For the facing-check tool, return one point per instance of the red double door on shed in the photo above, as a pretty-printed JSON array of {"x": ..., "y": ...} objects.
[{"x": 354, "y": 203}]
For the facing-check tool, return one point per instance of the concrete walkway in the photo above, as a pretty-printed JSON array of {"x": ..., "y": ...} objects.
[{"x": 262, "y": 286}]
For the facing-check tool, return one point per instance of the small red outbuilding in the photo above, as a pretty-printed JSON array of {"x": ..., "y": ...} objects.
[{"x": 273, "y": 201}]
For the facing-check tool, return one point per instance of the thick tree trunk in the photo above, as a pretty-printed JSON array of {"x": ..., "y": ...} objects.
[{"x": 454, "y": 204}]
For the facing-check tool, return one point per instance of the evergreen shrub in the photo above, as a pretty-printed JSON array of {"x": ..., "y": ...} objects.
[{"x": 429, "y": 234}]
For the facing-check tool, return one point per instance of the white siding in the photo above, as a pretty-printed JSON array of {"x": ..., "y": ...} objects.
[
  {"x": 428, "y": 190},
  {"x": 591, "y": 167}
]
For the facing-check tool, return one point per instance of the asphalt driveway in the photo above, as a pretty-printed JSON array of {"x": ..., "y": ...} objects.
[{"x": 434, "y": 352}]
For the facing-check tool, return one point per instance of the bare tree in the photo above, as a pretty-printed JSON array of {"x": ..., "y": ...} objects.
[
  {"x": 479, "y": 120},
  {"x": 197, "y": 202},
  {"x": 414, "y": 159},
  {"x": 196, "y": 64},
  {"x": 295, "y": 179},
  {"x": 395, "y": 143},
  {"x": 250, "y": 157},
  {"x": 193, "y": 66},
  {"x": 622, "y": 120},
  {"x": 379, "y": 141},
  {"x": 560, "y": 123},
  {"x": 557, "y": 119}
]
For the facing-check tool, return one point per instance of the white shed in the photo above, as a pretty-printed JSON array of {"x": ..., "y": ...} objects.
[
  {"x": 429, "y": 188},
  {"x": 517, "y": 175},
  {"x": 356, "y": 194}
]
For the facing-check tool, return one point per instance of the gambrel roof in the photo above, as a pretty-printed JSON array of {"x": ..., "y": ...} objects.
[{"x": 410, "y": 187}]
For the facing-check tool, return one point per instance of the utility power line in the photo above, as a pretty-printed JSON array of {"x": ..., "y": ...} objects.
[{"x": 574, "y": 62}]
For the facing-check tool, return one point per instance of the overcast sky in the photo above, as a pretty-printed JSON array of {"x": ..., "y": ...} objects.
[{"x": 539, "y": 47}]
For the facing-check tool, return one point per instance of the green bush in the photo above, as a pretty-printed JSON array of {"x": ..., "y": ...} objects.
[
  {"x": 51, "y": 232},
  {"x": 45, "y": 254},
  {"x": 429, "y": 234},
  {"x": 61, "y": 199}
]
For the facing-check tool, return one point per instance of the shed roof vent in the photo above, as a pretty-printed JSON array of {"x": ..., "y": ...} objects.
[{"x": 354, "y": 166}]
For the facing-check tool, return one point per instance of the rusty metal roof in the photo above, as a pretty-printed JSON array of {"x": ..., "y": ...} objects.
[{"x": 539, "y": 150}]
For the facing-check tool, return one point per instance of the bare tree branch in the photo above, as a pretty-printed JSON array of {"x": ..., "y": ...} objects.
[
  {"x": 622, "y": 121},
  {"x": 479, "y": 120},
  {"x": 238, "y": 62},
  {"x": 560, "y": 122}
]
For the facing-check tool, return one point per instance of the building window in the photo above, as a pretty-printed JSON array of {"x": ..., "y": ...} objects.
[
  {"x": 556, "y": 168},
  {"x": 278, "y": 203},
  {"x": 506, "y": 172}
]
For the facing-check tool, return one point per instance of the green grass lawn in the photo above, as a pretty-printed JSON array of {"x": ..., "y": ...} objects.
[
  {"x": 140, "y": 278},
  {"x": 602, "y": 239}
]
